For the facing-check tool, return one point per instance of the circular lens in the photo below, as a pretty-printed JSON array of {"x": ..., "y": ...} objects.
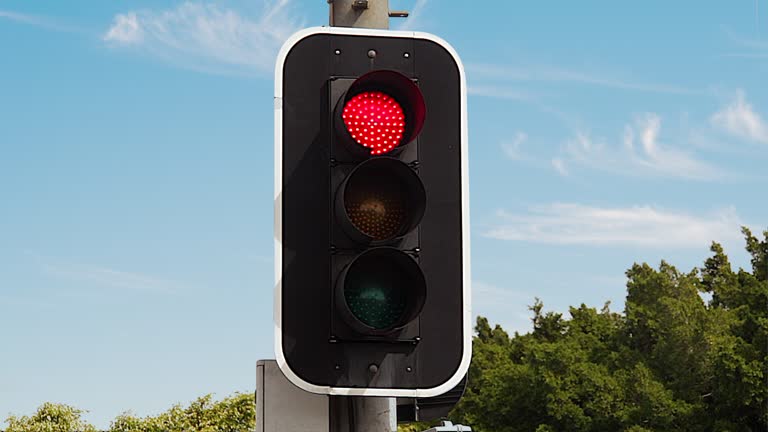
[
  {"x": 376, "y": 209},
  {"x": 383, "y": 199},
  {"x": 383, "y": 289},
  {"x": 375, "y": 296},
  {"x": 374, "y": 120}
]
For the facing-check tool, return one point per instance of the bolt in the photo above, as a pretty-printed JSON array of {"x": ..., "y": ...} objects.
[
  {"x": 373, "y": 368},
  {"x": 337, "y": 52},
  {"x": 409, "y": 369},
  {"x": 372, "y": 53},
  {"x": 406, "y": 55}
]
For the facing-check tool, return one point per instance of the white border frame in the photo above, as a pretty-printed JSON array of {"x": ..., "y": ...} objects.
[{"x": 467, "y": 314}]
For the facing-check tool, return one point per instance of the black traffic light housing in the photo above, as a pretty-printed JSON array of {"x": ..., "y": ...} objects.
[{"x": 371, "y": 213}]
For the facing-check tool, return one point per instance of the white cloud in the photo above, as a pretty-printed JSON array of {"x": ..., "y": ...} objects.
[
  {"x": 746, "y": 42},
  {"x": 39, "y": 21},
  {"x": 415, "y": 16},
  {"x": 19, "y": 17},
  {"x": 559, "y": 166},
  {"x": 741, "y": 120},
  {"x": 517, "y": 95},
  {"x": 747, "y": 55},
  {"x": 204, "y": 36},
  {"x": 125, "y": 30},
  {"x": 747, "y": 48},
  {"x": 111, "y": 278},
  {"x": 507, "y": 307},
  {"x": 649, "y": 158},
  {"x": 512, "y": 148},
  {"x": 485, "y": 294},
  {"x": 660, "y": 159},
  {"x": 499, "y": 93},
  {"x": 561, "y": 75},
  {"x": 647, "y": 226},
  {"x": 262, "y": 259}
]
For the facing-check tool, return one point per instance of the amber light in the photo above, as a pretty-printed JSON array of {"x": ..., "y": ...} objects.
[
  {"x": 375, "y": 120},
  {"x": 380, "y": 200},
  {"x": 377, "y": 208}
]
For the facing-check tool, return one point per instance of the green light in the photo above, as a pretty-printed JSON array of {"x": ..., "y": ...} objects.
[
  {"x": 376, "y": 297},
  {"x": 381, "y": 291}
]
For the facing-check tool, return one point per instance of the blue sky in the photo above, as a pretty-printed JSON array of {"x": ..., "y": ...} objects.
[{"x": 136, "y": 173}]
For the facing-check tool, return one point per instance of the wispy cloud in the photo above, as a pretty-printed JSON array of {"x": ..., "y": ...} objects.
[
  {"x": 648, "y": 226},
  {"x": 506, "y": 306},
  {"x": 740, "y": 119},
  {"x": 555, "y": 74},
  {"x": 747, "y": 55},
  {"x": 207, "y": 37},
  {"x": 513, "y": 148},
  {"x": 499, "y": 92},
  {"x": 559, "y": 166},
  {"x": 125, "y": 30},
  {"x": 102, "y": 277},
  {"x": 262, "y": 259},
  {"x": 415, "y": 17},
  {"x": 25, "y": 302},
  {"x": 662, "y": 159},
  {"x": 46, "y": 23},
  {"x": 506, "y": 92},
  {"x": 640, "y": 153},
  {"x": 746, "y": 42},
  {"x": 746, "y": 47},
  {"x": 485, "y": 294}
]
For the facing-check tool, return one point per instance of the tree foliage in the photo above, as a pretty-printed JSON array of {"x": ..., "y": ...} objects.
[
  {"x": 50, "y": 417},
  {"x": 671, "y": 361},
  {"x": 235, "y": 413}
]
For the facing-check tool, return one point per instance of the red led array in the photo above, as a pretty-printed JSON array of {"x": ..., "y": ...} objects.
[{"x": 374, "y": 120}]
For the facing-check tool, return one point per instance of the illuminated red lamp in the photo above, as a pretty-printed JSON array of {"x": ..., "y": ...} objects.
[
  {"x": 381, "y": 111},
  {"x": 374, "y": 120}
]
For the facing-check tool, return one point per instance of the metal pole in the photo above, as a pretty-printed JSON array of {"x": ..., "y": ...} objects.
[{"x": 362, "y": 414}]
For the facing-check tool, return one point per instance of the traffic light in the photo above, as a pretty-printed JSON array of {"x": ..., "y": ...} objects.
[{"x": 372, "y": 289}]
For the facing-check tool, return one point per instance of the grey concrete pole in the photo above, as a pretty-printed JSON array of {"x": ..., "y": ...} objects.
[
  {"x": 359, "y": 13},
  {"x": 376, "y": 414},
  {"x": 361, "y": 414}
]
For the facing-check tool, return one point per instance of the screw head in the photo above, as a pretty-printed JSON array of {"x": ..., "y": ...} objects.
[
  {"x": 372, "y": 53},
  {"x": 373, "y": 368},
  {"x": 406, "y": 54},
  {"x": 337, "y": 52}
]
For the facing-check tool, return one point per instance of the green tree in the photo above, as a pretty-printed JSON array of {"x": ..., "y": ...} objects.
[
  {"x": 739, "y": 348},
  {"x": 50, "y": 417},
  {"x": 236, "y": 413},
  {"x": 671, "y": 361}
]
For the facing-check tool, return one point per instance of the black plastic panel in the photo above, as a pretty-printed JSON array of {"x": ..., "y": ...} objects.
[{"x": 316, "y": 345}]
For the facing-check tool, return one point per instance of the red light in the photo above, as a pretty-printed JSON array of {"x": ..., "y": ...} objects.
[{"x": 374, "y": 120}]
